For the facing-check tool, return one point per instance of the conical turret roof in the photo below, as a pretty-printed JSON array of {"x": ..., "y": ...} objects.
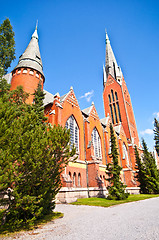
[
  {"x": 31, "y": 57},
  {"x": 111, "y": 65}
]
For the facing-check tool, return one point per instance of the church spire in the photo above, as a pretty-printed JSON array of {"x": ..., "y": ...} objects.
[
  {"x": 31, "y": 57},
  {"x": 111, "y": 66},
  {"x": 35, "y": 34}
]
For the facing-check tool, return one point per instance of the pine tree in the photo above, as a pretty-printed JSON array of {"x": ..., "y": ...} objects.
[
  {"x": 156, "y": 138},
  {"x": 32, "y": 157},
  {"x": 147, "y": 173},
  {"x": 4, "y": 87},
  {"x": 151, "y": 169},
  {"x": 141, "y": 173},
  {"x": 116, "y": 188},
  {"x": 7, "y": 45},
  {"x": 37, "y": 105}
]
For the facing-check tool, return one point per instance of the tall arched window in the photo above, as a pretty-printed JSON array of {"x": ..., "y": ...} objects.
[
  {"x": 111, "y": 110},
  {"x": 74, "y": 179},
  {"x": 112, "y": 95},
  {"x": 79, "y": 180},
  {"x": 118, "y": 111},
  {"x": 114, "y": 107},
  {"x": 125, "y": 154},
  {"x": 96, "y": 143},
  {"x": 69, "y": 174},
  {"x": 109, "y": 98},
  {"x": 74, "y": 131},
  {"x": 115, "y": 113},
  {"x": 116, "y": 96}
]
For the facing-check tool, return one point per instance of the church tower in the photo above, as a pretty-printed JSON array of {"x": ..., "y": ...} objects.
[
  {"x": 29, "y": 71},
  {"x": 117, "y": 102}
]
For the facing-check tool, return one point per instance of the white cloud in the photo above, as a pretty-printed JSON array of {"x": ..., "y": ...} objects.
[
  {"x": 88, "y": 95},
  {"x": 147, "y": 131}
]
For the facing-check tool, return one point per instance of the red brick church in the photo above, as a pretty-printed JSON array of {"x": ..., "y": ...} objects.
[{"x": 91, "y": 135}]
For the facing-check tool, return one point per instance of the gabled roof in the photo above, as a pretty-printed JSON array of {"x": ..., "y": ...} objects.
[
  {"x": 91, "y": 111},
  {"x": 117, "y": 128},
  {"x": 62, "y": 98},
  {"x": 49, "y": 98},
  {"x": 87, "y": 110},
  {"x": 104, "y": 121},
  {"x": 31, "y": 57}
]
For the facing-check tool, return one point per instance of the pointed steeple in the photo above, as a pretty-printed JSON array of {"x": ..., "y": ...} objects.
[
  {"x": 35, "y": 34},
  {"x": 31, "y": 57},
  {"x": 111, "y": 66}
]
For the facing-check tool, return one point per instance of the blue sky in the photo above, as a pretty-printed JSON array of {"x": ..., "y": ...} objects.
[{"x": 72, "y": 45}]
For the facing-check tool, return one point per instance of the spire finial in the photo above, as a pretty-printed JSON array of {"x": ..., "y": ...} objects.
[
  {"x": 36, "y": 24},
  {"x": 106, "y": 36},
  {"x": 35, "y": 34}
]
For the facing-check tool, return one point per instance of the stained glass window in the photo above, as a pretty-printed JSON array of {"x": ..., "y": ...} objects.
[
  {"x": 96, "y": 143},
  {"x": 74, "y": 131}
]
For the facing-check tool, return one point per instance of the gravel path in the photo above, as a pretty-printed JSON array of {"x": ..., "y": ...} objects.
[{"x": 131, "y": 221}]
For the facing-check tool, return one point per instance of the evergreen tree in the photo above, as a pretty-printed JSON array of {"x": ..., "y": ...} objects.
[
  {"x": 147, "y": 173},
  {"x": 116, "y": 188},
  {"x": 7, "y": 45},
  {"x": 4, "y": 87},
  {"x": 32, "y": 157},
  {"x": 38, "y": 106},
  {"x": 151, "y": 170},
  {"x": 156, "y": 138},
  {"x": 141, "y": 173}
]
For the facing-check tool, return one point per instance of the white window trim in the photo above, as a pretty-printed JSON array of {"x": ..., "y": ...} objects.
[
  {"x": 96, "y": 140},
  {"x": 74, "y": 131}
]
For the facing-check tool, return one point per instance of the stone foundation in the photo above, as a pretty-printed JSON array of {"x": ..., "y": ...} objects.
[
  {"x": 68, "y": 195},
  {"x": 133, "y": 190}
]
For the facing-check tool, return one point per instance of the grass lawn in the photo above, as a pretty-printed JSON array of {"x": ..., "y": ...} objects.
[
  {"x": 7, "y": 231},
  {"x": 103, "y": 202}
]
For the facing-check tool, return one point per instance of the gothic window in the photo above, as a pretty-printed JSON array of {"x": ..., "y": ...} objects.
[
  {"x": 118, "y": 111},
  {"x": 111, "y": 110},
  {"x": 116, "y": 96},
  {"x": 109, "y": 98},
  {"x": 112, "y": 95},
  {"x": 74, "y": 131},
  {"x": 96, "y": 143},
  {"x": 125, "y": 154},
  {"x": 79, "y": 180},
  {"x": 74, "y": 179},
  {"x": 114, "y": 107},
  {"x": 115, "y": 113}
]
